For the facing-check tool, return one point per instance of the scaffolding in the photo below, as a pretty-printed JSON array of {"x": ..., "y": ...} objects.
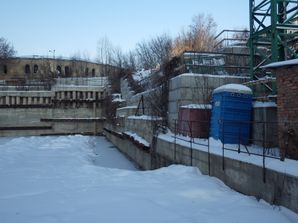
[{"x": 273, "y": 33}]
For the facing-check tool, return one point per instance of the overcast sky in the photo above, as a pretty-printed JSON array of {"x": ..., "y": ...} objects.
[{"x": 70, "y": 26}]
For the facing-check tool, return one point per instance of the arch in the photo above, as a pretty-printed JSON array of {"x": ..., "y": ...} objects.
[
  {"x": 93, "y": 72},
  {"x": 67, "y": 71},
  {"x": 59, "y": 70},
  {"x": 27, "y": 69},
  {"x": 5, "y": 69},
  {"x": 35, "y": 68},
  {"x": 86, "y": 71}
]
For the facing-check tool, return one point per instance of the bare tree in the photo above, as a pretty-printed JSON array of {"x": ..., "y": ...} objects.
[
  {"x": 104, "y": 51},
  {"x": 6, "y": 49},
  {"x": 154, "y": 52},
  {"x": 199, "y": 36},
  {"x": 130, "y": 61},
  {"x": 117, "y": 57}
]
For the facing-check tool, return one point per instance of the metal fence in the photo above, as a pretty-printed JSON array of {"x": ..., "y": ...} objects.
[{"x": 262, "y": 143}]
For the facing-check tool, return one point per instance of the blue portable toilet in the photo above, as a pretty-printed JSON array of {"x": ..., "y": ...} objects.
[{"x": 231, "y": 114}]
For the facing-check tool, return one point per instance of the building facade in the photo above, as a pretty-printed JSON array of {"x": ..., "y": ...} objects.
[{"x": 42, "y": 68}]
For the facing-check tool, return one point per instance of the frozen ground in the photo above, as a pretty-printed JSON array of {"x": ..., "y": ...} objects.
[{"x": 55, "y": 179}]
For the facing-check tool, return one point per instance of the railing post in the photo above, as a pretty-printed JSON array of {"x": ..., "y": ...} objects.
[
  {"x": 208, "y": 156},
  {"x": 223, "y": 146},
  {"x": 239, "y": 132},
  {"x": 175, "y": 140},
  {"x": 189, "y": 122},
  {"x": 264, "y": 168}
]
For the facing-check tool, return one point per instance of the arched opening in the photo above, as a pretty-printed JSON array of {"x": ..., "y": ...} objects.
[
  {"x": 5, "y": 68},
  {"x": 67, "y": 71},
  {"x": 35, "y": 68},
  {"x": 86, "y": 71},
  {"x": 93, "y": 72},
  {"x": 59, "y": 70},
  {"x": 27, "y": 69}
]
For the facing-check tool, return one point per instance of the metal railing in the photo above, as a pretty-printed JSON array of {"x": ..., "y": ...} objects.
[
  {"x": 83, "y": 81},
  {"x": 262, "y": 143}
]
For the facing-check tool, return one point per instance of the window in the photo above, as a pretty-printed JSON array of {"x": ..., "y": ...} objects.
[
  {"x": 93, "y": 72},
  {"x": 5, "y": 69},
  {"x": 35, "y": 68},
  {"x": 86, "y": 71},
  {"x": 27, "y": 69}
]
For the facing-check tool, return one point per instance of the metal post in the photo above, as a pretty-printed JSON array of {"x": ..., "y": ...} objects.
[
  {"x": 189, "y": 122},
  {"x": 239, "y": 132},
  {"x": 175, "y": 141},
  {"x": 264, "y": 169},
  {"x": 208, "y": 156},
  {"x": 223, "y": 146}
]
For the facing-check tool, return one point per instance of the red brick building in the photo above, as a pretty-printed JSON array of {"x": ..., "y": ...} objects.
[{"x": 287, "y": 106}]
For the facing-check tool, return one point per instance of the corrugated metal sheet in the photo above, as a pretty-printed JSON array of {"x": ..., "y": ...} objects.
[{"x": 194, "y": 121}]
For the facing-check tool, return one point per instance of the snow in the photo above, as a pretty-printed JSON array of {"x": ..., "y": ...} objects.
[
  {"x": 142, "y": 74},
  {"x": 282, "y": 64},
  {"x": 288, "y": 166},
  {"x": 69, "y": 179},
  {"x": 236, "y": 88},
  {"x": 138, "y": 138},
  {"x": 207, "y": 75},
  {"x": 118, "y": 100},
  {"x": 197, "y": 106},
  {"x": 145, "y": 117},
  {"x": 260, "y": 104},
  {"x": 128, "y": 107}
]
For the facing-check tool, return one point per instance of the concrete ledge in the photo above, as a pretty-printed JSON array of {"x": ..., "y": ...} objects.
[
  {"x": 275, "y": 187},
  {"x": 14, "y": 128},
  {"x": 140, "y": 157},
  {"x": 272, "y": 186},
  {"x": 72, "y": 119}
]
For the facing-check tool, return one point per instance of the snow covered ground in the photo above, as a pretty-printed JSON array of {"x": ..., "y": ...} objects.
[{"x": 84, "y": 179}]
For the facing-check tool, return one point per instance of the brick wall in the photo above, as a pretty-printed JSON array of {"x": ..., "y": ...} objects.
[{"x": 287, "y": 103}]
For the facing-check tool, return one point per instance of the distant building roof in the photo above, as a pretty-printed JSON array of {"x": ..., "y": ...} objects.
[{"x": 285, "y": 63}]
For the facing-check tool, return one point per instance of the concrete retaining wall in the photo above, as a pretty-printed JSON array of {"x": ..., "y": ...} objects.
[
  {"x": 278, "y": 188},
  {"x": 194, "y": 89},
  {"x": 139, "y": 156},
  {"x": 143, "y": 128},
  {"x": 28, "y": 121}
]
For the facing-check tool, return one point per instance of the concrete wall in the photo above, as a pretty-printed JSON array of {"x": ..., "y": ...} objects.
[
  {"x": 144, "y": 128},
  {"x": 140, "y": 157},
  {"x": 47, "y": 68},
  {"x": 29, "y": 121},
  {"x": 126, "y": 111},
  {"x": 265, "y": 127},
  {"x": 278, "y": 188},
  {"x": 272, "y": 186},
  {"x": 194, "y": 89}
]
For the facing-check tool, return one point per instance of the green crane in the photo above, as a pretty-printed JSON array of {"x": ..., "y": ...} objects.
[{"x": 273, "y": 33}]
